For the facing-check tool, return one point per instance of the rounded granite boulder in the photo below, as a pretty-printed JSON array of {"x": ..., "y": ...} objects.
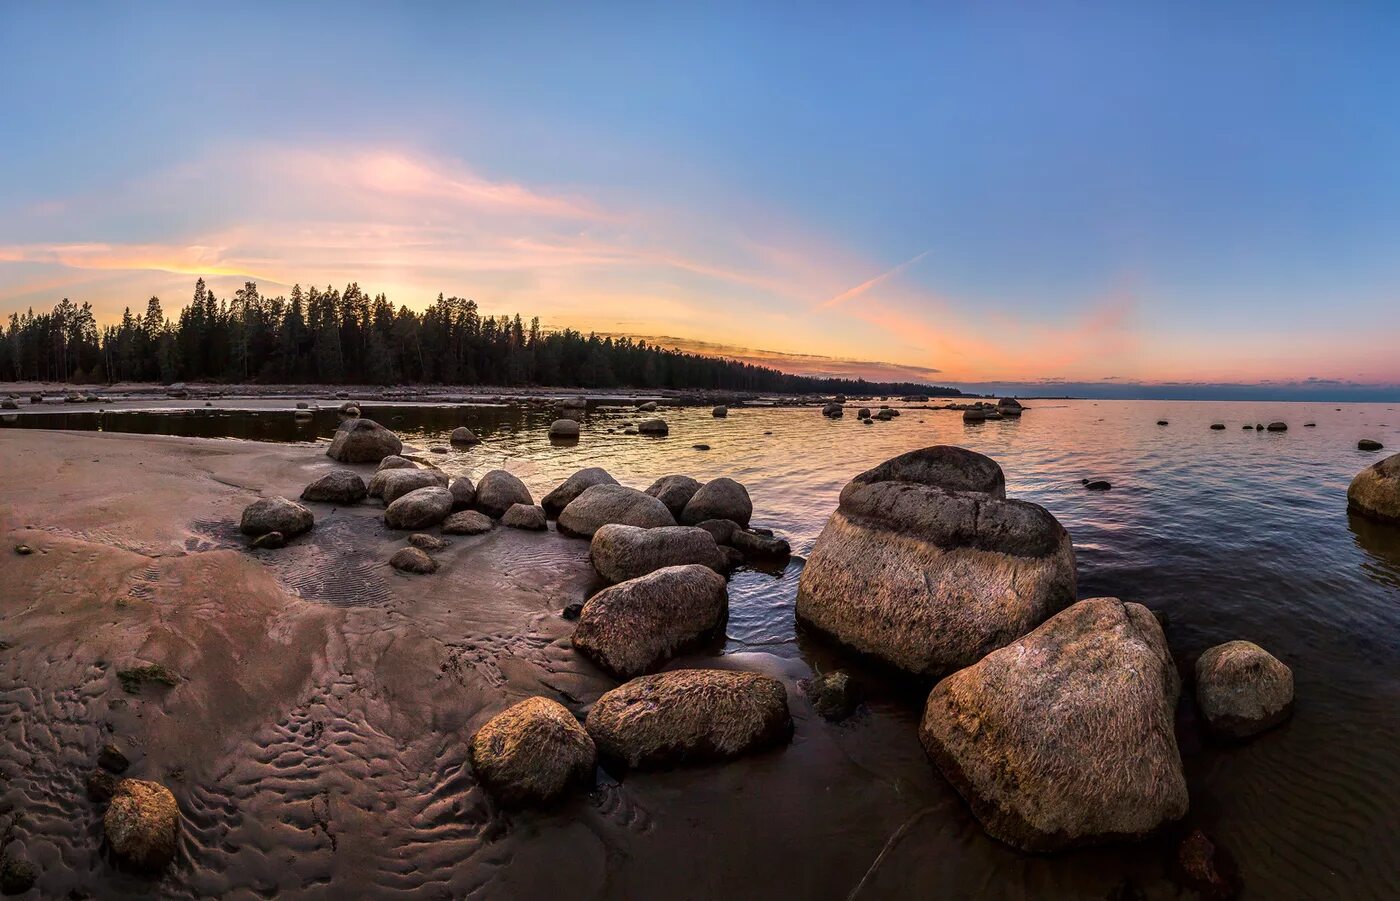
[
  {"x": 620, "y": 552},
  {"x": 635, "y": 626},
  {"x": 675, "y": 492},
  {"x": 1375, "y": 492},
  {"x": 142, "y": 824},
  {"x": 361, "y": 440},
  {"x": 498, "y": 491},
  {"x": 554, "y": 502},
  {"x": 339, "y": 486},
  {"x": 599, "y": 505},
  {"x": 420, "y": 509},
  {"x": 276, "y": 514},
  {"x": 721, "y": 498},
  {"x": 1242, "y": 689},
  {"x": 532, "y": 753}
]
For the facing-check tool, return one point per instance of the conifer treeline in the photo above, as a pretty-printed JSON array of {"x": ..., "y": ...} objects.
[{"x": 349, "y": 337}]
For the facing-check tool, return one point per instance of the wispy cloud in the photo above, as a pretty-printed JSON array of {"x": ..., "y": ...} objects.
[{"x": 863, "y": 287}]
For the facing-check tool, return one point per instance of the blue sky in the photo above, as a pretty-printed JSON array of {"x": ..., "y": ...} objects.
[{"x": 976, "y": 192}]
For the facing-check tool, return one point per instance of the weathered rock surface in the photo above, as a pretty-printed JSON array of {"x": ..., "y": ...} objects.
[
  {"x": 1242, "y": 689},
  {"x": 276, "y": 514},
  {"x": 573, "y": 486},
  {"x": 689, "y": 717},
  {"x": 834, "y": 695},
  {"x": 621, "y": 552},
  {"x": 413, "y": 560},
  {"x": 424, "y": 541},
  {"x": 463, "y": 493},
  {"x": 1375, "y": 492},
  {"x": 635, "y": 626},
  {"x": 675, "y": 492},
  {"x": 467, "y": 522},
  {"x": 928, "y": 567},
  {"x": 564, "y": 429},
  {"x": 392, "y": 484},
  {"x": 498, "y": 491},
  {"x": 721, "y": 498},
  {"x": 600, "y": 505},
  {"x": 363, "y": 441},
  {"x": 394, "y": 461},
  {"x": 420, "y": 509},
  {"x": 142, "y": 824},
  {"x": 721, "y": 529},
  {"x": 1066, "y": 736},
  {"x": 525, "y": 516},
  {"x": 339, "y": 486},
  {"x": 532, "y": 752},
  {"x": 757, "y": 544}
]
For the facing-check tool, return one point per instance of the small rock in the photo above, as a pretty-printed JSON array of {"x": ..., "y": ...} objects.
[
  {"x": 100, "y": 785},
  {"x": 674, "y": 491},
  {"x": 554, "y": 502},
  {"x": 1206, "y": 868},
  {"x": 394, "y": 461},
  {"x": 1278, "y": 427},
  {"x": 532, "y": 752},
  {"x": 599, "y": 505},
  {"x": 1161, "y": 422},
  {"x": 17, "y": 875},
  {"x": 655, "y": 427},
  {"x": 564, "y": 429},
  {"x": 467, "y": 522},
  {"x": 525, "y": 516},
  {"x": 721, "y": 498},
  {"x": 1098, "y": 485},
  {"x": 753, "y": 543},
  {"x": 720, "y": 412},
  {"x": 722, "y": 529},
  {"x": 426, "y": 542},
  {"x": 700, "y": 447},
  {"x": 463, "y": 493},
  {"x": 1218, "y": 426},
  {"x": 621, "y": 552},
  {"x": 112, "y": 759},
  {"x": 464, "y": 435},
  {"x": 1368, "y": 444},
  {"x": 834, "y": 695},
  {"x": 1242, "y": 689},
  {"x": 363, "y": 441},
  {"x": 647, "y": 407},
  {"x": 637, "y": 625},
  {"x": 142, "y": 824},
  {"x": 413, "y": 560},
  {"x": 23, "y": 550},
  {"x": 276, "y": 514}
]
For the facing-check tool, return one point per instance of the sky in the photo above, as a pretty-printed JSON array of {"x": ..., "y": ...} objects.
[{"x": 1177, "y": 197}]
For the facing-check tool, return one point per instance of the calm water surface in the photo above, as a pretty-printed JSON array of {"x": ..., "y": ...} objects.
[{"x": 1233, "y": 534}]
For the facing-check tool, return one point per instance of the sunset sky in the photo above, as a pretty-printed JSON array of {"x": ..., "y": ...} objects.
[{"x": 964, "y": 193}]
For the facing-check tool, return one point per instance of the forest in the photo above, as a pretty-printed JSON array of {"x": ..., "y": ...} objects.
[{"x": 332, "y": 337}]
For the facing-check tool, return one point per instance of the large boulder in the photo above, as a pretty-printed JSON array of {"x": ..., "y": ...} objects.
[
  {"x": 927, "y": 566},
  {"x": 1242, "y": 689},
  {"x": 419, "y": 509},
  {"x": 1375, "y": 492},
  {"x": 621, "y": 552},
  {"x": 392, "y": 484},
  {"x": 498, "y": 491},
  {"x": 532, "y": 752},
  {"x": 1066, "y": 736},
  {"x": 675, "y": 492},
  {"x": 635, "y": 626},
  {"x": 463, "y": 493},
  {"x": 599, "y": 505},
  {"x": 573, "y": 486},
  {"x": 363, "y": 441},
  {"x": 339, "y": 486},
  {"x": 525, "y": 516},
  {"x": 276, "y": 514},
  {"x": 142, "y": 824},
  {"x": 720, "y": 499},
  {"x": 689, "y": 716}
]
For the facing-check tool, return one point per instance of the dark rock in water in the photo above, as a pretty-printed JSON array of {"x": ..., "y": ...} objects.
[
  {"x": 863, "y": 413},
  {"x": 928, "y": 567},
  {"x": 420, "y": 509},
  {"x": 600, "y": 505},
  {"x": 339, "y": 486},
  {"x": 720, "y": 412},
  {"x": 721, "y": 498},
  {"x": 463, "y": 435},
  {"x": 635, "y": 626},
  {"x": 100, "y": 785},
  {"x": 36, "y": 398},
  {"x": 413, "y": 560},
  {"x": 1368, "y": 444},
  {"x": 572, "y": 611},
  {"x": 17, "y": 875},
  {"x": 111, "y": 759},
  {"x": 564, "y": 429},
  {"x": 1309, "y": 425},
  {"x": 1242, "y": 689},
  {"x": 689, "y": 717},
  {"x": 1247, "y": 427},
  {"x": 463, "y": 493},
  {"x": 1098, "y": 485},
  {"x": 620, "y": 552},
  {"x": 675, "y": 492},
  {"x": 525, "y": 516},
  {"x": 653, "y": 427},
  {"x": 733, "y": 557},
  {"x": 1206, "y": 868},
  {"x": 722, "y": 529},
  {"x": 23, "y": 550},
  {"x": 531, "y": 753},
  {"x": 833, "y": 411},
  {"x": 753, "y": 543},
  {"x": 1065, "y": 737},
  {"x": 276, "y": 514},
  {"x": 701, "y": 447},
  {"x": 1161, "y": 422},
  {"x": 438, "y": 449},
  {"x": 498, "y": 491},
  {"x": 363, "y": 441},
  {"x": 425, "y": 542},
  {"x": 1219, "y": 426},
  {"x": 467, "y": 522},
  {"x": 8, "y": 404},
  {"x": 142, "y": 824},
  {"x": 1278, "y": 427},
  {"x": 834, "y": 695},
  {"x": 1375, "y": 492},
  {"x": 554, "y": 502}
]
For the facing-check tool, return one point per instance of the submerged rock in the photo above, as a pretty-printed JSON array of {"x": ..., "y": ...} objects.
[
  {"x": 17, "y": 875},
  {"x": 833, "y": 411},
  {"x": 1206, "y": 868},
  {"x": 363, "y": 441},
  {"x": 413, "y": 560},
  {"x": 1242, "y": 689},
  {"x": 419, "y": 509},
  {"x": 392, "y": 484},
  {"x": 719, "y": 499},
  {"x": 1218, "y": 426},
  {"x": 276, "y": 514},
  {"x": 467, "y": 522},
  {"x": 926, "y": 565},
  {"x": 339, "y": 486},
  {"x": 532, "y": 752},
  {"x": 620, "y": 552},
  {"x": 635, "y": 626},
  {"x": 1375, "y": 492},
  {"x": 675, "y": 492},
  {"x": 142, "y": 824},
  {"x": 834, "y": 695},
  {"x": 1066, "y": 736},
  {"x": 525, "y": 516},
  {"x": 600, "y": 505},
  {"x": 689, "y": 717},
  {"x": 498, "y": 491},
  {"x": 572, "y": 487},
  {"x": 757, "y": 544},
  {"x": 1368, "y": 444}
]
